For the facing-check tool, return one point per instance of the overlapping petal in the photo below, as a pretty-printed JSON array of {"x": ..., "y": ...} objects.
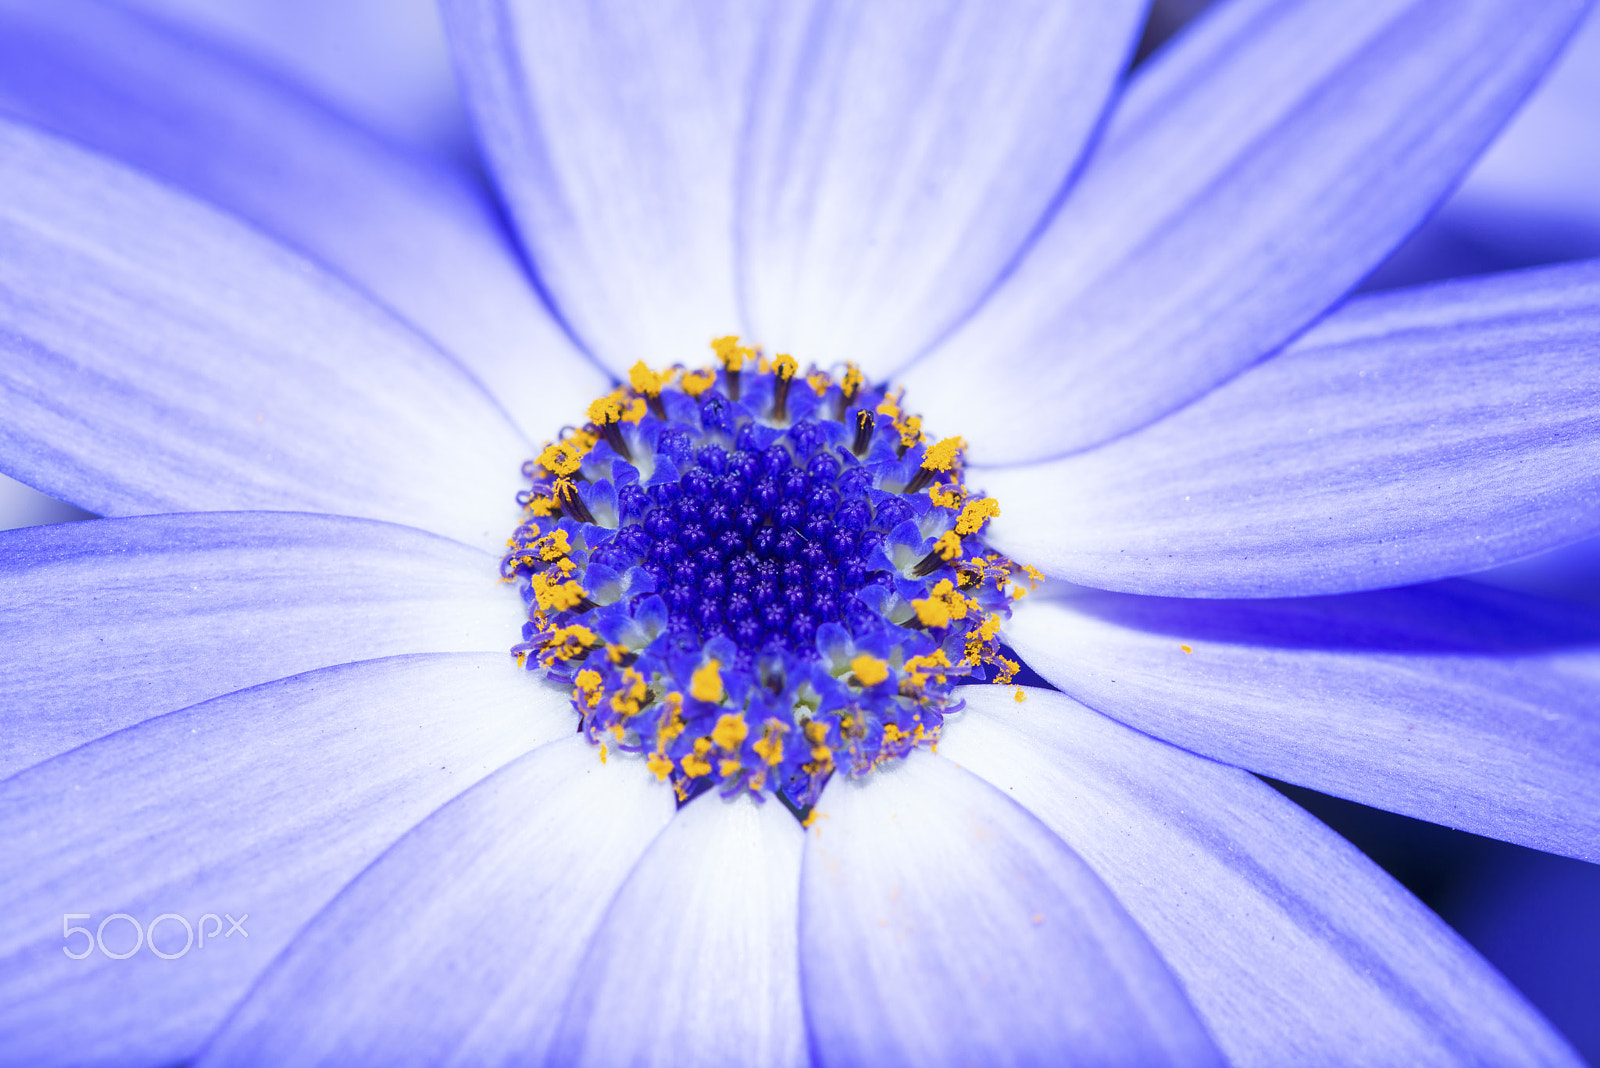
[
  {"x": 1410, "y": 436},
  {"x": 420, "y": 237},
  {"x": 107, "y": 623},
  {"x": 1253, "y": 172},
  {"x": 900, "y": 154},
  {"x": 941, "y": 924},
  {"x": 460, "y": 944},
  {"x": 612, "y": 129},
  {"x": 1292, "y": 946},
  {"x": 1459, "y": 704},
  {"x": 714, "y": 906},
  {"x": 159, "y": 356},
  {"x": 263, "y": 802}
]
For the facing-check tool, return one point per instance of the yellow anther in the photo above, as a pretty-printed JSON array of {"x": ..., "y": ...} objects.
[
  {"x": 728, "y": 767},
  {"x": 562, "y": 458},
  {"x": 851, "y": 381},
  {"x": 869, "y": 669},
  {"x": 910, "y": 428},
  {"x": 542, "y": 506},
  {"x": 730, "y": 731},
  {"x": 942, "y": 456},
  {"x": 932, "y": 613},
  {"x": 944, "y": 604},
  {"x": 889, "y": 406},
  {"x": 819, "y": 381},
  {"x": 948, "y": 546},
  {"x": 661, "y": 765},
  {"x": 946, "y": 496},
  {"x": 785, "y": 366},
  {"x": 557, "y": 596},
  {"x": 646, "y": 381},
  {"x": 732, "y": 354},
  {"x": 553, "y": 546},
  {"x": 616, "y": 653},
  {"x": 706, "y": 684},
  {"x": 565, "y": 643},
  {"x": 770, "y": 745},
  {"x": 697, "y": 382},
  {"x": 605, "y": 410},
  {"x": 695, "y": 764},
  {"x": 588, "y": 687},
  {"x": 976, "y": 514}
]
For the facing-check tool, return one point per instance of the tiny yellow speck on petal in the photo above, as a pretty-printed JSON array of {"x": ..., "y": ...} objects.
[
  {"x": 869, "y": 669},
  {"x": 1187, "y": 648},
  {"x": 1021, "y": 695},
  {"x": 706, "y": 685}
]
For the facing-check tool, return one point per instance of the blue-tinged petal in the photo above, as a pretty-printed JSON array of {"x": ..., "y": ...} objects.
[
  {"x": 1534, "y": 196},
  {"x": 1410, "y": 436},
  {"x": 901, "y": 153},
  {"x": 613, "y": 129},
  {"x": 460, "y": 944},
  {"x": 940, "y": 924},
  {"x": 420, "y": 237},
  {"x": 107, "y": 623},
  {"x": 1254, "y": 171},
  {"x": 383, "y": 61},
  {"x": 1293, "y": 947},
  {"x": 698, "y": 951},
  {"x": 261, "y": 803},
  {"x": 157, "y": 356},
  {"x": 1460, "y": 704}
]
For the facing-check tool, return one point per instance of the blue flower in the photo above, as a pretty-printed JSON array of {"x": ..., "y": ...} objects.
[{"x": 274, "y": 792}]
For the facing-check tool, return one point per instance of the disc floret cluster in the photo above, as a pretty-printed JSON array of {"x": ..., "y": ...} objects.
[{"x": 754, "y": 578}]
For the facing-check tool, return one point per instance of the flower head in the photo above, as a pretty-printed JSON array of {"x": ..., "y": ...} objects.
[{"x": 300, "y": 371}]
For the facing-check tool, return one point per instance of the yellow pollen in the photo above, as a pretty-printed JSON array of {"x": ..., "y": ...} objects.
[
  {"x": 770, "y": 745},
  {"x": 661, "y": 765},
  {"x": 706, "y": 684},
  {"x": 730, "y": 731},
  {"x": 1021, "y": 695},
  {"x": 1187, "y": 648},
  {"x": 945, "y": 496},
  {"x": 869, "y": 669},
  {"x": 785, "y": 366},
  {"x": 948, "y": 546},
  {"x": 976, "y": 514},
  {"x": 852, "y": 380},
  {"x": 560, "y": 596},
  {"x": 605, "y": 410},
  {"x": 732, "y": 354},
  {"x": 562, "y": 458},
  {"x": 645, "y": 380},
  {"x": 942, "y": 456},
  {"x": 696, "y": 764},
  {"x": 819, "y": 381},
  {"x": 697, "y": 382},
  {"x": 553, "y": 546},
  {"x": 910, "y": 428}
]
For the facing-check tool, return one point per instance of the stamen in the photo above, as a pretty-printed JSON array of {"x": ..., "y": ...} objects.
[{"x": 864, "y": 424}]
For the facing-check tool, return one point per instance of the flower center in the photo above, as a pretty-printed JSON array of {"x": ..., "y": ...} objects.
[{"x": 756, "y": 581}]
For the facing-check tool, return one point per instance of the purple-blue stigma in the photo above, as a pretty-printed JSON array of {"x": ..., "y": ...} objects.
[{"x": 752, "y": 585}]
